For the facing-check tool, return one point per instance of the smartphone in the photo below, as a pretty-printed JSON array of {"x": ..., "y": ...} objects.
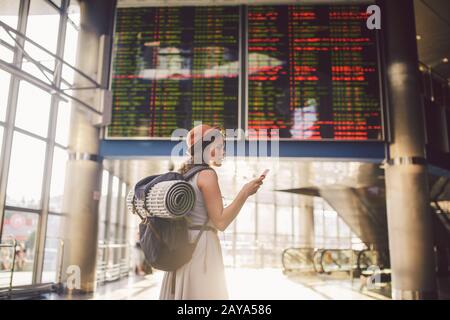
[{"x": 264, "y": 174}]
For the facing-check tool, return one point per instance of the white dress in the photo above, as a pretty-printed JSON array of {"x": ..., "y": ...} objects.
[{"x": 203, "y": 277}]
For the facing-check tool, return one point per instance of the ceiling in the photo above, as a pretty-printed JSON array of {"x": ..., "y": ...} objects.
[{"x": 433, "y": 27}]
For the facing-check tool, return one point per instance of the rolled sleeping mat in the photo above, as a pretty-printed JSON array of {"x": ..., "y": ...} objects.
[
  {"x": 170, "y": 199},
  {"x": 135, "y": 206},
  {"x": 130, "y": 202}
]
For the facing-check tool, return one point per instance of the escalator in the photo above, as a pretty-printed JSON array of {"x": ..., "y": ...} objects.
[{"x": 362, "y": 206}]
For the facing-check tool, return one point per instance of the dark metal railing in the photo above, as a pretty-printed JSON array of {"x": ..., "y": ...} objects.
[{"x": 5, "y": 270}]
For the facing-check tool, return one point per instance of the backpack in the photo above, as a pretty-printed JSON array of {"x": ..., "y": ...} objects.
[{"x": 165, "y": 241}]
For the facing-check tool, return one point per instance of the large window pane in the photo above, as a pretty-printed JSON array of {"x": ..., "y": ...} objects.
[
  {"x": 104, "y": 196},
  {"x": 42, "y": 27},
  {"x": 266, "y": 218},
  {"x": 40, "y": 72},
  {"x": 71, "y": 44},
  {"x": 25, "y": 174},
  {"x": 245, "y": 222},
  {"x": 284, "y": 220},
  {"x": 114, "y": 198},
  {"x": 63, "y": 124},
  {"x": 74, "y": 13},
  {"x": 33, "y": 108},
  {"x": 102, "y": 205},
  {"x": 113, "y": 214},
  {"x": 8, "y": 14},
  {"x": 53, "y": 248},
  {"x": 4, "y": 90},
  {"x": 296, "y": 222},
  {"x": 22, "y": 227},
  {"x": 7, "y": 54},
  {"x": 60, "y": 157},
  {"x": 124, "y": 213},
  {"x": 70, "y": 52}
]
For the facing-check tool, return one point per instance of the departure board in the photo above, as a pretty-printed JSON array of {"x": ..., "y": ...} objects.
[
  {"x": 173, "y": 66},
  {"x": 313, "y": 73}
]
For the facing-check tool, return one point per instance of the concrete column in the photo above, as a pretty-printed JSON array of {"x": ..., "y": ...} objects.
[
  {"x": 407, "y": 194},
  {"x": 84, "y": 168}
]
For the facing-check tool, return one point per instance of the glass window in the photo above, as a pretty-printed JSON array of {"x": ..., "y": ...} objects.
[
  {"x": 33, "y": 108},
  {"x": 63, "y": 124},
  {"x": 246, "y": 219},
  {"x": 296, "y": 222},
  {"x": 74, "y": 13},
  {"x": 4, "y": 91},
  {"x": 344, "y": 230},
  {"x": 8, "y": 14},
  {"x": 101, "y": 230},
  {"x": 25, "y": 176},
  {"x": 104, "y": 196},
  {"x": 60, "y": 158},
  {"x": 42, "y": 28},
  {"x": 284, "y": 220},
  {"x": 70, "y": 52},
  {"x": 330, "y": 224},
  {"x": 123, "y": 204},
  {"x": 266, "y": 216},
  {"x": 113, "y": 214},
  {"x": 21, "y": 226},
  {"x": 114, "y": 198},
  {"x": 41, "y": 72},
  {"x": 123, "y": 213},
  {"x": 318, "y": 222},
  {"x": 53, "y": 246},
  {"x": 7, "y": 54}
]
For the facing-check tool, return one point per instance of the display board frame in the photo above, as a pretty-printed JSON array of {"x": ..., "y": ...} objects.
[{"x": 243, "y": 81}]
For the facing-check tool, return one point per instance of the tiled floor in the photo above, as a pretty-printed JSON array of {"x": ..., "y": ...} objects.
[{"x": 255, "y": 284}]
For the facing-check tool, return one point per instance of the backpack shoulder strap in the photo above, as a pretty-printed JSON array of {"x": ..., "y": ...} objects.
[
  {"x": 201, "y": 231},
  {"x": 188, "y": 175},
  {"x": 196, "y": 169}
]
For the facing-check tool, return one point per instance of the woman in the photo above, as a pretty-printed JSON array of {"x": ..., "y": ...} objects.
[{"x": 204, "y": 276}]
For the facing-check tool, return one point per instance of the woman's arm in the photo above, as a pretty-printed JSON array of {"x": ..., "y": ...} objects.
[{"x": 209, "y": 186}]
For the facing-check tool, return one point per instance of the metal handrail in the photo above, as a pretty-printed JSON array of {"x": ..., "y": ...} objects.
[
  {"x": 318, "y": 268},
  {"x": 340, "y": 266},
  {"x": 61, "y": 260},
  {"x": 110, "y": 272},
  {"x": 306, "y": 255},
  {"x": 12, "y": 269}
]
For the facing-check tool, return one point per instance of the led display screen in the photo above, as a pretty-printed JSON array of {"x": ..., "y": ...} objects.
[
  {"x": 313, "y": 73},
  {"x": 173, "y": 66},
  {"x": 309, "y": 71}
]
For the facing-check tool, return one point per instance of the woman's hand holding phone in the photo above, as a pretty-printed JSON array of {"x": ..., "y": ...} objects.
[
  {"x": 251, "y": 187},
  {"x": 264, "y": 174}
]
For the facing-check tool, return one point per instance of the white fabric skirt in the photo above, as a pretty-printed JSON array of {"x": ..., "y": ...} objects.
[{"x": 202, "y": 278}]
